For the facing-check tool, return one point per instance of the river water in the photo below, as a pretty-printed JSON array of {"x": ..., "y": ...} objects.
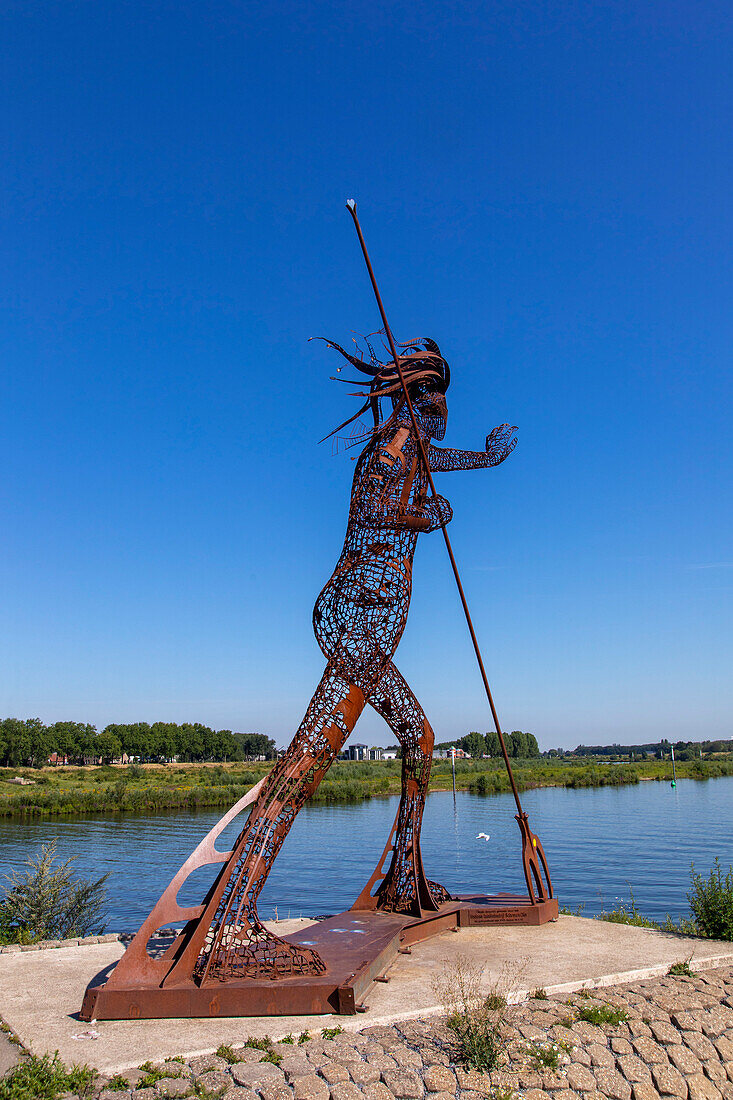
[{"x": 600, "y": 843}]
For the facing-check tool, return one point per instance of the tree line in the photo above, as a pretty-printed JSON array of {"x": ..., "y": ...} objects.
[
  {"x": 29, "y": 743},
  {"x": 519, "y": 745},
  {"x": 683, "y": 750}
]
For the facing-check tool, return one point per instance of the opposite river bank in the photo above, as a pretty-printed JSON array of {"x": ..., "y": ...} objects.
[{"x": 64, "y": 791}]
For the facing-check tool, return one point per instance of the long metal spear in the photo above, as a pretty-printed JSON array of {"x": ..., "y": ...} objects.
[{"x": 531, "y": 847}]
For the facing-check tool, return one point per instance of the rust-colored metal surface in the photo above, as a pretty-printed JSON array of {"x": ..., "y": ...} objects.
[
  {"x": 356, "y": 947},
  {"x": 225, "y": 955}
]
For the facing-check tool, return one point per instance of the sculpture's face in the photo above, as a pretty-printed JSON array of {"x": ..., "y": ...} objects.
[{"x": 431, "y": 411}]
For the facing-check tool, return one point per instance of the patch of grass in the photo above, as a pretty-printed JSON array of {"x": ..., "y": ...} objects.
[
  {"x": 304, "y": 1037},
  {"x": 711, "y": 902},
  {"x": 151, "y": 1075},
  {"x": 602, "y": 1014},
  {"x": 543, "y": 1055},
  {"x": 331, "y": 1032},
  {"x": 227, "y": 1053},
  {"x": 681, "y": 970},
  {"x": 118, "y": 1083},
  {"x": 540, "y": 994},
  {"x": 46, "y": 1079},
  {"x": 289, "y": 1039},
  {"x": 265, "y": 1043},
  {"x": 628, "y": 913}
]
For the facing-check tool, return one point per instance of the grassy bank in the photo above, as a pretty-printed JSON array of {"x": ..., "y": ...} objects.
[{"x": 56, "y": 792}]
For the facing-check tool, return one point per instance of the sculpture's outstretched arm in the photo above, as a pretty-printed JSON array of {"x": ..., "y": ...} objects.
[{"x": 499, "y": 445}]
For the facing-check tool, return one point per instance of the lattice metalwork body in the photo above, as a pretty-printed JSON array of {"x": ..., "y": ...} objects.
[{"x": 359, "y": 618}]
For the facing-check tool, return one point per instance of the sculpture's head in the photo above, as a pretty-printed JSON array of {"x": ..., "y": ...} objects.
[{"x": 426, "y": 374}]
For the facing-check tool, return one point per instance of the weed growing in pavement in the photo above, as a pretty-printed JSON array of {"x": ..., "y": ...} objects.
[
  {"x": 540, "y": 994},
  {"x": 46, "y": 1079},
  {"x": 227, "y": 1053},
  {"x": 152, "y": 1074},
  {"x": 118, "y": 1083},
  {"x": 331, "y": 1032},
  {"x": 289, "y": 1040},
  {"x": 304, "y": 1037},
  {"x": 475, "y": 1017},
  {"x": 602, "y": 1014},
  {"x": 502, "y": 1092},
  {"x": 681, "y": 969},
  {"x": 567, "y": 1021}
]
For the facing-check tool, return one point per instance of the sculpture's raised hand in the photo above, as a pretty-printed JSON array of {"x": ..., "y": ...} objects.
[
  {"x": 439, "y": 511},
  {"x": 500, "y": 443}
]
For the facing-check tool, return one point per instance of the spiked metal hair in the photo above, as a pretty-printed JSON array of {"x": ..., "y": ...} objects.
[{"x": 421, "y": 363}]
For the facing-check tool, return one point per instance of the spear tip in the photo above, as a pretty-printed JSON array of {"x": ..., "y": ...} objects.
[{"x": 351, "y": 203}]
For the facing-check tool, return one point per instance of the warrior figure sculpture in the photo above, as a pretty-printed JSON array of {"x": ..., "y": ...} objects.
[{"x": 358, "y": 619}]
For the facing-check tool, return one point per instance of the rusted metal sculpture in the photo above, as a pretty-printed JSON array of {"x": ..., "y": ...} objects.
[{"x": 359, "y": 618}]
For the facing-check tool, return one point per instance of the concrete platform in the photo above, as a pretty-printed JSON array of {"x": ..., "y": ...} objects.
[{"x": 41, "y": 991}]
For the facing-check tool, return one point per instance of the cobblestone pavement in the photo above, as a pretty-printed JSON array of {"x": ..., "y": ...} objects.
[{"x": 675, "y": 1041}]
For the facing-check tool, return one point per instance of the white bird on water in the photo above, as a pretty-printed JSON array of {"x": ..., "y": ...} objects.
[{"x": 483, "y": 836}]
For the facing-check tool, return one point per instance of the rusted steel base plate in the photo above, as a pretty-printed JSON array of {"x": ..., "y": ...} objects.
[{"x": 357, "y": 947}]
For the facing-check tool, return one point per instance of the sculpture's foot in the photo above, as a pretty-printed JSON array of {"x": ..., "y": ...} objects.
[
  {"x": 264, "y": 955},
  {"x": 438, "y": 893}
]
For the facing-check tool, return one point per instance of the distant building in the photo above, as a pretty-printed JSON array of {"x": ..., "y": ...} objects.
[{"x": 356, "y": 752}]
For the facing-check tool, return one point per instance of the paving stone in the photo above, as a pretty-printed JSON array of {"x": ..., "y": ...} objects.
[
  {"x": 536, "y": 1094},
  {"x": 310, "y": 1088},
  {"x": 634, "y": 1069},
  {"x": 724, "y": 1047},
  {"x": 663, "y": 1032},
  {"x": 335, "y": 1073},
  {"x": 403, "y": 1083},
  {"x": 685, "y": 1021},
  {"x": 640, "y": 1090},
  {"x": 205, "y": 1062},
  {"x": 621, "y": 1046},
  {"x": 580, "y": 1079},
  {"x": 552, "y": 1081},
  {"x": 700, "y": 1045},
  {"x": 715, "y": 1071},
  {"x": 173, "y": 1086},
  {"x": 249, "y": 1055},
  {"x": 377, "y": 1091},
  {"x": 439, "y": 1079},
  {"x": 407, "y": 1059},
  {"x": 296, "y": 1065},
  {"x": 214, "y": 1080},
  {"x": 530, "y": 1079},
  {"x": 345, "y": 1091},
  {"x": 256, "y": 1074},
  {"x": 651, "y": 1052},
  {"x": 234, "y": 1092},
  {"x": 381, "y": 1061},
  {"x": 612, "y": 1084},
  {"x": 700, "y": 1088},
  {"x": 600, "y": 1056},
  {"x": 566, "y": 1094},
  {"x": 276, "y": 1090},
  {"x": 145, "y": 1094},
  {"x": 9, "y": 1054},
  {"x": 589, "y": 1033},
  {"x": 113, "y": 1094},
  {"x": 442, "y": 1096},
  {"x": 639, "y": 1027},
  {"x": 364, "y": 1074},
  {"x": 669, "y": 1081},
  {"x": 684, "y": 1060},
  {"x": 716, "y": 1021}
]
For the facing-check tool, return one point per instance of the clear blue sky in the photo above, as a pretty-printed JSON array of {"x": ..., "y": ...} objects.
[{"x": 545, "y": 189}]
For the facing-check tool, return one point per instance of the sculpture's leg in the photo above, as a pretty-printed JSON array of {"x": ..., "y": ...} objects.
[
  {"x": 229, "y": 940},
  {"x": 405, "y": 887}
]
